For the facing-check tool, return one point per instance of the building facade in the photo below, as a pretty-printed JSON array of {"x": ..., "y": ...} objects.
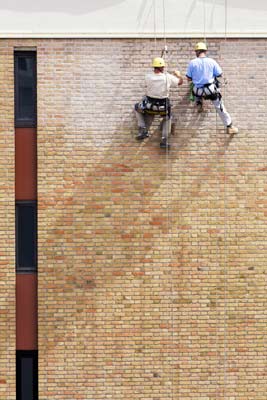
[{"x": 151, "y": 265}]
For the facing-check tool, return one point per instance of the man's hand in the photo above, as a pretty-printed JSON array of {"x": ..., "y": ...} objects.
[
  {"x": 179, "y": 76},
  {"x": 177, "y": 73}
]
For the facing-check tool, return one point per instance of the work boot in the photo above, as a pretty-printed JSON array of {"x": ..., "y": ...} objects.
[
  {"x": 199, "y": 105},
  {"x": 231, "y": 129},
  {"x": 163, "y": 144},
  {"x": 142, "y": 134}
]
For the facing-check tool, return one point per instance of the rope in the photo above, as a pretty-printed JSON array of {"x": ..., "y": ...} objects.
[
  {"x": 218, "y": 262},
  {"x": 169, "y": 205},
  {"x": 155, "y": 27},
  {"x": 225, "y": 362},
  {"x": 204, "y": 21},
  {"x": 169, "y": 188},
  {"x": 164, "y": 24}
]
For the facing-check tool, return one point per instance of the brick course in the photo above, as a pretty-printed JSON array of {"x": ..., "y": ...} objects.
[{"x": 152, "y": 267}]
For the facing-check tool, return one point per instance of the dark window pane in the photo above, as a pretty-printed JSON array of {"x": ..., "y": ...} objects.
[
  {"x": 27, "y": 375},
  {"x": 26, "y": 221},
  {"x": 27, "y": 378},
  {"x": 25, "y": 89},
  {"x": 22, "y": 63}
]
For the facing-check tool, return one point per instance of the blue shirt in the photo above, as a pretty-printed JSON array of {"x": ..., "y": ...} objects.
[{"x": 203, "y": 70}]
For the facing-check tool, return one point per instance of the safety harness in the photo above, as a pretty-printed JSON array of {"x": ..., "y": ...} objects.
[
  {"x": 209, "y": 91},
  {"x": 154, "y": 106}
]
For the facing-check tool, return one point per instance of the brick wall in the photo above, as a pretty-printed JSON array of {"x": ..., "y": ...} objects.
[
  {"x": 7, "y": 227},
  {"x": 152, "y": 270}
]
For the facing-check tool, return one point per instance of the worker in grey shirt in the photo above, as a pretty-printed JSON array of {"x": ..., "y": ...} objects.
[
  {"x": 156, "y": 101},
  {"x": 203, "y": 71}
]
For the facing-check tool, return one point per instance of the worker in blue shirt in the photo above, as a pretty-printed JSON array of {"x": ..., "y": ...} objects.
[{"x": 203, "y": 72}]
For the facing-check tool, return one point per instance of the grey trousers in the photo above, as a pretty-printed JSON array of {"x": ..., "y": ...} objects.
[{"x": 145, "y": 120}]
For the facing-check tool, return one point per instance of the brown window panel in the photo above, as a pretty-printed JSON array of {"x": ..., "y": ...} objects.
[
  {"x": 26, "y": 311},
  {"x": 26, "y": 164}
]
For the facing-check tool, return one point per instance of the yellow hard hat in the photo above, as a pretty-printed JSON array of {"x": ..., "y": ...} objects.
[
  {"x": 201, "y": 46},
  {"x": 158, "y": 62}
]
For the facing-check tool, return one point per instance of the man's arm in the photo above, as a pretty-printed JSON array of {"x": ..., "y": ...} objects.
[
  {"x": 179, "y": 76},
  {"x": 217, "y": 71},
  {"x": 189, "y": 73}
]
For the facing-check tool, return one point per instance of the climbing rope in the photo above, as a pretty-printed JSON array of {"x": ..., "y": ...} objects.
[
  {"x": 155, "y": 27},
  {"x": 164, "y": 23},
  {"x": 204, "y": 21},
  {"x": 169, "y": 208},
  {"x": 217, "y": 268},
  {"x": 225, "y": 362}
]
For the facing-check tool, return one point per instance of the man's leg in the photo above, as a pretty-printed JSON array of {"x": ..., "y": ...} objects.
[
  {"x": 144, "y": 122},
  {"x": 224, "y": 115},
  {"x": 140, "y": 117},
  {"x": 149, "y": 118},
  {"x": 198, "y": 93},
  {"x": 199, "y": 103}
]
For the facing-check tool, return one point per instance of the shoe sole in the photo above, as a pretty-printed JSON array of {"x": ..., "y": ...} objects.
[{"x": 232, "y": 133}]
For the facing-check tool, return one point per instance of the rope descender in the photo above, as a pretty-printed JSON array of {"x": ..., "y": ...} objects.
[{"x": 164, "y": 51}]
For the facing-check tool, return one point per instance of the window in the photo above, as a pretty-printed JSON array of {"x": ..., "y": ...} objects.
[
  {"x": 27, "y": 375},
  {"x": 26, "y": 236},
  {"x": 25, "y": 89}
]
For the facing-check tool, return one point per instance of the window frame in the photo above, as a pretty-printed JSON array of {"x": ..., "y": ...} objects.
[
  {"x": 32, "y": 354},
  {"x": 32, "y": 122},
  {"x": 32, "y": 268}
]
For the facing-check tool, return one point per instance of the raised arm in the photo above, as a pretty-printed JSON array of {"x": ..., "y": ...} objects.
[{"x": 179, "y": 76}]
